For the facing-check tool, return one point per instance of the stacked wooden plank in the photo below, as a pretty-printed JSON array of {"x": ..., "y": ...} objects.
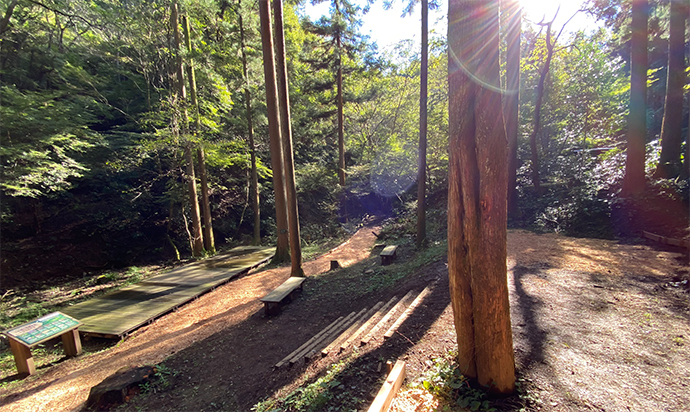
[{"x": 357, "y": 328}]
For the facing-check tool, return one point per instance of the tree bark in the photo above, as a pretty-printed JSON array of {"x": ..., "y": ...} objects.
[
  {"x": 5, "y": 21},
  {"x": 512, "y": 98},
  {"x": 286, "y": 134},
  {"x": 421, "y": 171},
  {"x": 339, "y": 101},
  {"x": 254, "y": 196},
  {"x": 197, "y": 238},
  {"x": 282, "y": 252},
  {"x": 634, "y": 179},
  {"x": 477, "y": 204},
  {"x": 672, "y": 125},
  {"x": 209, "y": 242}
]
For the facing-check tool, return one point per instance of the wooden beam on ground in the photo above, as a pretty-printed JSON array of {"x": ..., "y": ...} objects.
[
  {"x": 352, "y": 339},
  {"x": 307, "y": 343},
  {"x": 386, "y": 318},
  {"x": 343, "y": 332},
  {"x": 387, "y": 392},
  {"x": 407, "y": 313},
  {"x": 320, "y": 342},
  {"x": 667, "y": 240},
  {"x": 335, "y": 345}
]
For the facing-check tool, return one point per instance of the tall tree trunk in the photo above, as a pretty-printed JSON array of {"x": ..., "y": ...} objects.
[
  {"x": 339, "y": 100},
  {"x": 286, "y": 134},
  {"x": 634, "y": 179},
  {"x": 672, "y": 125},
  {"x": 5, "y": 21},
  {"x": 254, "y": 195},
  {"x": 536, "y": 122},
  {"x": 209, "y": 242},
  {"x": 421, "y": 171},
  {"x": 197, "y": 238},
  {"x": 282, "y": 251},
  {"x": 512, "y": 99},
  {"x": 477, "y": 203}
]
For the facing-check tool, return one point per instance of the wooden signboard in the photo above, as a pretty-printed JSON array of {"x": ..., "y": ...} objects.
[{"x": 24, "y": 337}]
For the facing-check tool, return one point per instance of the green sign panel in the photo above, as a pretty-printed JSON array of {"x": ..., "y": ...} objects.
[{"x": 44, "y": 328}]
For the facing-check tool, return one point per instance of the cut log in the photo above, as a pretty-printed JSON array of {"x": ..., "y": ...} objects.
[
  {"x": 352, "y": 339},
  {"x": 335, "y": 345},
  {"x": 386, "y": 318},
  {"x": 344, "y": 332},
  {"x": 308, "y": 343},
  {"x": 323, "y": 340},
  {"x": 407, "y": 313},
  {"x": 113, "y": 390},
  {"x": 387, "y": 392}
]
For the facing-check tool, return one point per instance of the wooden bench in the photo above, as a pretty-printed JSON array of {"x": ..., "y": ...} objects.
[
  {"x": 388, "y": 254},
  {"x": 283, "y": 292}
]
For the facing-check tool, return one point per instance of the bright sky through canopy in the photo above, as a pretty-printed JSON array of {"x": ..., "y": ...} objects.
[{"x": 386, "y": 27}]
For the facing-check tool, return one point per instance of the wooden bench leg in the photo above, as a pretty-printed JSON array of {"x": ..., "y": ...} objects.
[
  {"x": 22, "y": 358},
  {"x": 271, "y": 308},
  {"x": 71, "y": 343}
]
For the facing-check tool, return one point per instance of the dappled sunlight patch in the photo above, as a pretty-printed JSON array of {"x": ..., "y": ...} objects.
[
  {"x": 605, "y": 257},
  {"x": 414, "y": 400}
]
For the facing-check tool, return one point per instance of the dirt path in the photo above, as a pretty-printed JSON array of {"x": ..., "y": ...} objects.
[
  {"x": 597, "y": 325},
  {"x": 66, "y": 386}
]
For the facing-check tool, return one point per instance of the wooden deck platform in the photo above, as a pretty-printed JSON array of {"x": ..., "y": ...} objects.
[{"x": 117, "y": 313}]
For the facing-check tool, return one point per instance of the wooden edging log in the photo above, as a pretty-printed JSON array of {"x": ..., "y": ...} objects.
[
  {"x": 308, "y": 343},
  {"x": 667, "y": 240},
  {"x": 336, "y": 344},
  {"x": 407, "y": 313},
  {"x": 325, "y": 339},
  {"x": 353, "y": 339},
  {"x": 344, "y": 332},
  {"x": 387, "y": 392},
  {"x": 386, "y": 318}
]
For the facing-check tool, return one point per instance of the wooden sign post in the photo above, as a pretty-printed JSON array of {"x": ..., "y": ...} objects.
[{"x": 24, "y": 337}]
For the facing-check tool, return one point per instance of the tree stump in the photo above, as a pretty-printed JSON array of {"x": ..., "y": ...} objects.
[{"x": 114, "y": 390}]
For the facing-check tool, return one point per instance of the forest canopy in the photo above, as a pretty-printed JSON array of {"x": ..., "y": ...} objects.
[{"x": 93, "y": 131}]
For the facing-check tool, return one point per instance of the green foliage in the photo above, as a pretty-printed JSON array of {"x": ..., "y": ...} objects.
[
  {"x": 311, "y": 397},
  {"x": 445, "y": 381}
]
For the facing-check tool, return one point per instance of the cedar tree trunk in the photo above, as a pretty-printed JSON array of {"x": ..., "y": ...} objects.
[
  {"x": 671, "y": 128},
  {"x": 421, "y": 172},
  {"x": 477, "y": 202},
  {"x": 286, "y": 134},
  {"x": 209, "y": 242},
  {"x": 282, "y": 251},
  {"x": 256, "y": 238},
  {"x": 197, "y": 238},
  {"x": 634, "y": 179}
]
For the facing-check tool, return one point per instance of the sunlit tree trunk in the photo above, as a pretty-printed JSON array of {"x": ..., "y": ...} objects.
[
  {"x": 477, "y": 203},
  {"x": 286, "y": 134},
  {"x": 634, "y": 180},
  {"x": 671, "y": 128},
  {"x": 8, "y": 15},
  {"x": 197, "y": 239},
  {"x": 512, "y": 97},
  {"x": 339, "y": 99},
  {"x": 254, "y": 195},
  {"x": 282, "y": 251},
  {"x": 209, "y": 242},
  {"x": 421, "y": 171}
]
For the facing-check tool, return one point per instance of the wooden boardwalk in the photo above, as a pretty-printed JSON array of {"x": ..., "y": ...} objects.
[{"x": 117, "y": 313}]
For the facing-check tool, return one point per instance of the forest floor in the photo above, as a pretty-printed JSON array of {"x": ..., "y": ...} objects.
[{"x": 597, "y": 325}]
